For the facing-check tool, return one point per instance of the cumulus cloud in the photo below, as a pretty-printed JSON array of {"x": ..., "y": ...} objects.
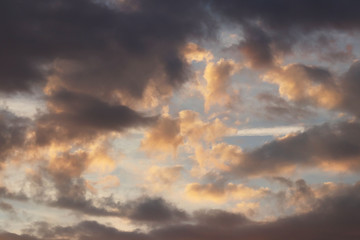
[
  {"x": 169, "y": 133},
  {"x": 217, "y": 76},
  {"x": 163, "y": 137},
  {"x": 219, "y": 156},
  {"x": 303, "y": 83},
  {"x": 307, "y": 85},
  {"x": 194, "y": 52},
  {"x": 162, "y": 178}
]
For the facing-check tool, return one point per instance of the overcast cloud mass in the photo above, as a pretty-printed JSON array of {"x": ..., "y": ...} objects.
[{"x": 184, "y": 120}]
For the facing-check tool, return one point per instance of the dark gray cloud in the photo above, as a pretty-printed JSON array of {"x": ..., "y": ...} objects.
[
  {"x": 336, "y": 216},
  {"x": 277, "y": 25},
  {"x": 283, "y": 15},
  {"x": 6, "y": 193},
  {"x": 95, "y": 48},
  {"x": 4, "y": 206},
  {"x": 64, "y": 175},
  {"x": 100, "y": 49},
  {"x": 87, "y": 52},
  {"x": 277, "y": 108},
  {"x": 327, "y": 143},
  {"x": 350, "y": 86},
  {"x": 220, "y": 218},
  {"x": 307, "y": 86},
  {"x": 257, "y": 47},
  {"x": 13, "y": 236},
  {"x": 12, "y": 133},
  {"x": 75, "y": 115},
  {"x": 144, "y": 210},
  {"x": 148, "y": 209},
  {"x": 71, "y": 193}
]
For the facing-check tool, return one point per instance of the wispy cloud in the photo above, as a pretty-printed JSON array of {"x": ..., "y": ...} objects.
[{"x": 270, "y": 131}]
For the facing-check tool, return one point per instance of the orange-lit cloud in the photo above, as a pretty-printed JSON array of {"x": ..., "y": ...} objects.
[
  {"x": 306, "y": 83},
  {"x": 162, "y": 178},
  {"x": 194, "y": 52},
  {"x": 170, "y": 133},
  {"x": 219, "y": 156},
  {"x": 220, "y": 193},
  {"x": 163, "y": 138},
  {"x": 217, "y": 76}
]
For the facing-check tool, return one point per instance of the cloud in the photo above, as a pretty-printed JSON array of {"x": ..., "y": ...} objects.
[
  {"x": 75, "y": 115},
  {"x": 272, "y": 131},
  {"x": 195, "y": 129},
  {"x": 335, "y": 216},
  {"x": 12, "y": 236},
  {"x": 256, "y": 47},
  {"x": 6, "y": 207},
  {"x": 111, "y": 48},
  {"x": 217, "y": 76},
  {"x": 188, "y": 128},
  {"x": 13, "y": 130},
  {"x": 220, "y": 218},
  {"x": 320, "y": 146},
  {"x": 277, "y": 108},
  {"x": 331, "y": 219},
  {"x": 194, "y": 52},
  {"x": 163, "y": 137},
  {"x": 152, "y": 210},
  {"x": 219, "y": 156},
  {"x": 271, "y": 29},
  {"x": 315, "y": 86},
  {"x": 220, "y": 192},
  {"x": 306, "y": 84},
  {"x": 6, "y": 193},
  {"x": 350, "y": 86},
  {"x": 162, "y": 178}
]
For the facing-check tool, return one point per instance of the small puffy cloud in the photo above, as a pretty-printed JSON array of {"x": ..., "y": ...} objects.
[
  {"x": 164, "y": 137},
  {"x": 162, "y": 178},
  {"x": 217, "y": 76},
  {"x": 196, "y": 130},
  {"x": 219, "y": 156},
  {"x": 194, "y": 52}
]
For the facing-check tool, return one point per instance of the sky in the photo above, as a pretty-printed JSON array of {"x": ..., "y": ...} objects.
[{"x": 183, "y": 120}]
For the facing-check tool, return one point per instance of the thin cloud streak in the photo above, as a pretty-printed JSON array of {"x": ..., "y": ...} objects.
[{"x": 271, "y": 131}]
